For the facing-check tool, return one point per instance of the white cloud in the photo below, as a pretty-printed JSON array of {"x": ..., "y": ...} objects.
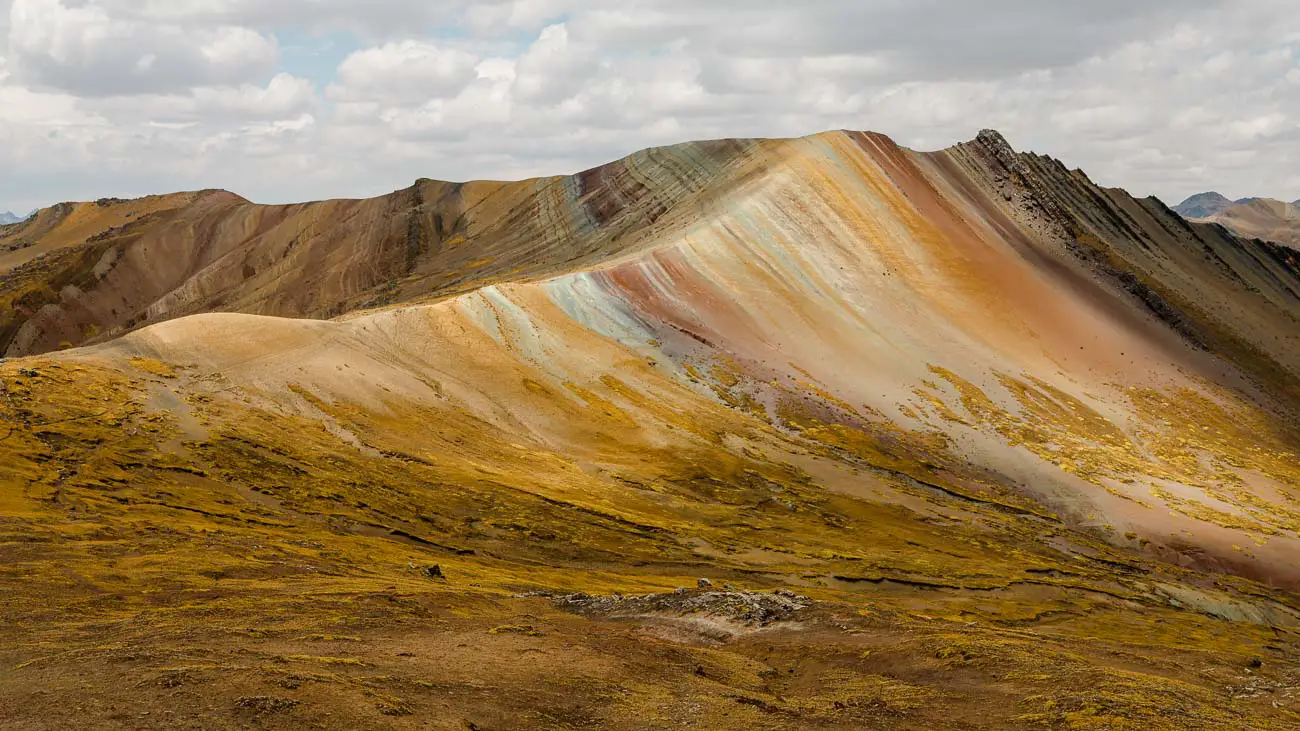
[
  {"x": 101, "y": 97},
  {"x": 284, "y": 97},
  {"x": 81, "y": 48},
  {"x": 554, "y": 68},
  {"x": 408, "y": 71}
]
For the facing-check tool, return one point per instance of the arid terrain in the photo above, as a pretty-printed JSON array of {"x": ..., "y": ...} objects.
[
  {"x": 815, "y": 433},
  {"x": 1257, "y": 218}
]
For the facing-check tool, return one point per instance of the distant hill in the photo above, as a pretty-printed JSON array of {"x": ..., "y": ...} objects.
[
  {"x": 1256, "y": 218},
  {"x": 1263, "y": 218},
  {"x": 7, "y": 218},
  {"x": 1203, "y": 205}
]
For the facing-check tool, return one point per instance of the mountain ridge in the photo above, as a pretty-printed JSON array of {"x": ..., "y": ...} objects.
[
  {"x": 402, "y": 250},
  {"x": 1211, "y": 203},
  {"x": 747, "y": 434},
  {"x": 396, "y": 233},
  {"x": 1259, "y": 218},
  {"x": 634, "y": 219}
]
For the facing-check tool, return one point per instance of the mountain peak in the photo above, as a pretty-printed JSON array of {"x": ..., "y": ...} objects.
[
  {"x": 992, "y": 137},
  {"x": 1203, "y": 205}
]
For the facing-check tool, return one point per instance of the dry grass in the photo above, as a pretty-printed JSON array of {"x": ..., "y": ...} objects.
[{"x": 233, "y": 569}]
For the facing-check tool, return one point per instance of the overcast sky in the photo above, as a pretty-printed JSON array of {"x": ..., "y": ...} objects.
[{"x": 286, "y": 100}]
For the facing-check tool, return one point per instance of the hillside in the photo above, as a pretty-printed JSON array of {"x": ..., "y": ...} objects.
[
  {"x": 812, "y": 433},
  {"x": 87, "y": 272},
  {"x": 1265, "y": 219},
  {"x": 1253, "y": 218}
]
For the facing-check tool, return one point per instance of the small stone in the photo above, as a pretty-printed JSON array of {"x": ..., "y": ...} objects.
[
  {"x": 1256, "y": 663},
  {"x": 705, "y": 583},
  {"x": 680, "y": 590}
]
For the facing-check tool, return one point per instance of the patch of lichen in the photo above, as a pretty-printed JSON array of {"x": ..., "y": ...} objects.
[
  {"x": 1183, "y": 437},
  {"x": 153, "y": 366},
  {"x": 1055, "y": 426},
  {"x": 1215, "y": 444},
  {"x": 645, "y": 505},
  {"x": 1122, "y": 700},
  {"x": 438, "y": 491},
  {"x": 925, "y": 457}
]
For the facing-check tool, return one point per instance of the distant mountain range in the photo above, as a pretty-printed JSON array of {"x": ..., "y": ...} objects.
[
  {"x": 7, "y": 218},
  {"x": 1203, "y": 205},
  {"x": 1256, "y": 218}
]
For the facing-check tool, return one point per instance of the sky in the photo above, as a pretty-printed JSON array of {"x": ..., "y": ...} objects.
[{"x": 290, "y": 100}]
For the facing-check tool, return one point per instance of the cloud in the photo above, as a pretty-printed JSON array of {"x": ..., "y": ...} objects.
[
  {"x": 285, "y": 96},
  {"x": 925, "y": 38},
  {"x": 370, "y": 19},
  {"x": 82, "y": 49},
  {"x": 406, "y": 71},
  {"x": 1159, "y": 97},
  {"x": 554, "y": 68}
]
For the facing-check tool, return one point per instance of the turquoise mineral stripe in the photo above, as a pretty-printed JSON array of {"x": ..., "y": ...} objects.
[{"x": 581, "y": 220}]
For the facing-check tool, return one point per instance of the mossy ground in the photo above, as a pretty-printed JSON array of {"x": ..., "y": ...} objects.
[{"x": 267, "y": 575}]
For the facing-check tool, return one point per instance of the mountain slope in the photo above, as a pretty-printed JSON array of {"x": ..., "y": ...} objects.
[
  {"x": 86, "y": 272},
  {"x": 1265, "y": 219},
  {"x": 1256, "y": 218},
  {"x": 1013, "y": 448}
]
